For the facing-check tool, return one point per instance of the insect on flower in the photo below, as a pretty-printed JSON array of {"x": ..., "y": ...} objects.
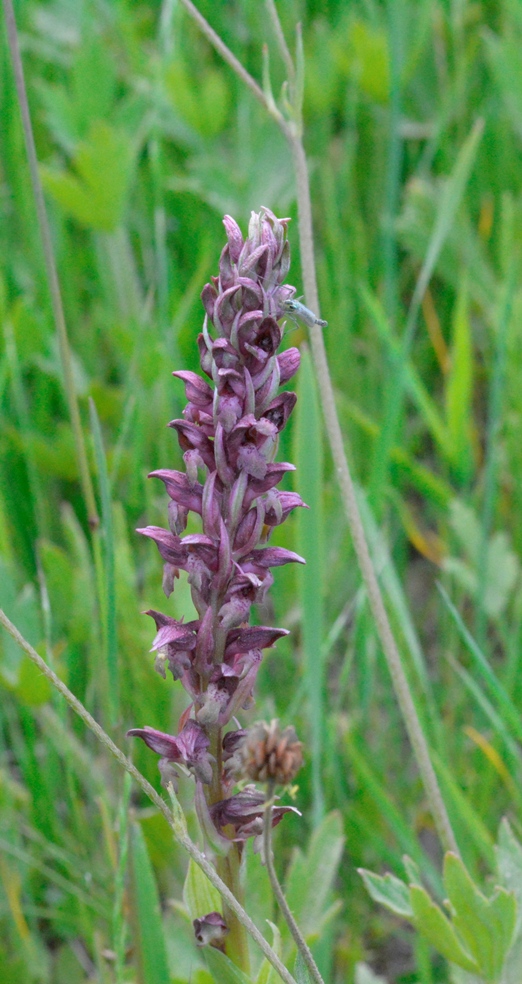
[{"x": 303, "y": 314}]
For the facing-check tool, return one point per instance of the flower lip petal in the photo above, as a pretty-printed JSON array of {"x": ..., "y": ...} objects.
[
  {"x": 179, "y": 488},
  {"x": 160, "y": 742},
  {"x": 197, "y": 389},
  {"x": 289, "y": 362},
  {"x": 170, "y": 546},
  {"x": 273, "y": 557},
  {"x": 252, "y": 637}
]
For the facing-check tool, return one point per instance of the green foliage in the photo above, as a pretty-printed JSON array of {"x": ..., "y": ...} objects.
[
  {"x": 149, "y": 938},
  {"x": 301, "y": 972},
  {"x": 95, "y": 196},
  {"x": 145, "y": 137},
  {"x": 310, "y": 878},
  {"x": 481, "y": 933},
  {"x": 267, "y": 974},
  {"x": 199, "y": 895},
  {"x": 222, "y": 969}
]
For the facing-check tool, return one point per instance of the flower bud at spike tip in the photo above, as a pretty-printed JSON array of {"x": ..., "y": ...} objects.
[{"x": 228, "y": 435}]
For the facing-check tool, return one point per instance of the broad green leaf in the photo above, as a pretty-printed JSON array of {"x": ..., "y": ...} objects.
[
  {"x": 502, "y": 570},
  {"x": 222, "y": 969},
  {"x": 96, "y": 194},
  {"x": 412, "y": 871},
  {"x": 199, "y": 895},
  {"x": 509, "y": 863},
  {"x": 485, "y": 925},
  {"x": 202, "y": 99},
  {"x": 433, "y": 924},
  {"x": 259, "y": 902},
  {"x": 149, "y": 940},
  {"x": 267, "y": 974},
  {"x": 388, "y": 891},
  {"x": 301, "y": 972},
  {"x": 501, "y": 566},
  {"x": 310, "y": 876}
]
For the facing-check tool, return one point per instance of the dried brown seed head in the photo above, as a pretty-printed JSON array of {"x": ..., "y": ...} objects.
[{"x": 270, "y": 754}]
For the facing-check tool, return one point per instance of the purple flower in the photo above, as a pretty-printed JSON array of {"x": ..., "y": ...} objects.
[
  {"x": 244, "y": 812},
  {"x": 188, "y": 748},
  {"x": 228, "y": 435},
  {"x": 211, "y": 928}
]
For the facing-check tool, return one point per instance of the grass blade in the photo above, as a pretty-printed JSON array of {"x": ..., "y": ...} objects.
[
  {"x": 450, "y": 202},
  {"x": 150, "y": 940},
  {"x": 108, "y": 602},
  {"x": 507, "y": 706}
]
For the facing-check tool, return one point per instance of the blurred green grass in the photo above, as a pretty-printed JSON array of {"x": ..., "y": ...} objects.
[{"x": 145, "y": 140}]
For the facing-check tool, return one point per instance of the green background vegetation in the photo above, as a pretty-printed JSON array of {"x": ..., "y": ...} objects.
[{"x": 413, "y": 115}]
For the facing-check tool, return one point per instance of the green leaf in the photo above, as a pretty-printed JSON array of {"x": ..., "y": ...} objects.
[
  {"x": 222, "y": 969},
  {"x": 96, "y": 195},
  {"x": 388, "y": 891},
  {"x": 485, "y": 925},
  {"x": 502, "y": 570},
  {"x": 199, "y": 895},
  {"x": 433, "y": 924},
  {"x": 201, "y": 100},
  {"x": 369, "y": 59},
  {"x": 509, "y": 863},
  {"x": 301, "y": 972},
  {"x": 310, "y": 877},
  {"x": 149, "y": 940},
  {"x": 459, "y": 390},
  {"x": 412, "y": 870},
  {"x": 267, "y": 973},
  {"x": 32, "y": 688}
]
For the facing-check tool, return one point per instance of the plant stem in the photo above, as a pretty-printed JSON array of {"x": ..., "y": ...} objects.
[
  {"x": 297, "y": 936},
  {"x": 225, "y": 52},
  {"x": 174, "y": 819},
  {"x": 50, "y": 266},
  {"x": 236, "y": 946}
]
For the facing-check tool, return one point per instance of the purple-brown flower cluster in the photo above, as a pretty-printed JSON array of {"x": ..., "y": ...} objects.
[{"x": 229, "y": 439}]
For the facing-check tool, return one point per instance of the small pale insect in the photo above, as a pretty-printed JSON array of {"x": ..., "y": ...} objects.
[{"x": 303, "y": 314}]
